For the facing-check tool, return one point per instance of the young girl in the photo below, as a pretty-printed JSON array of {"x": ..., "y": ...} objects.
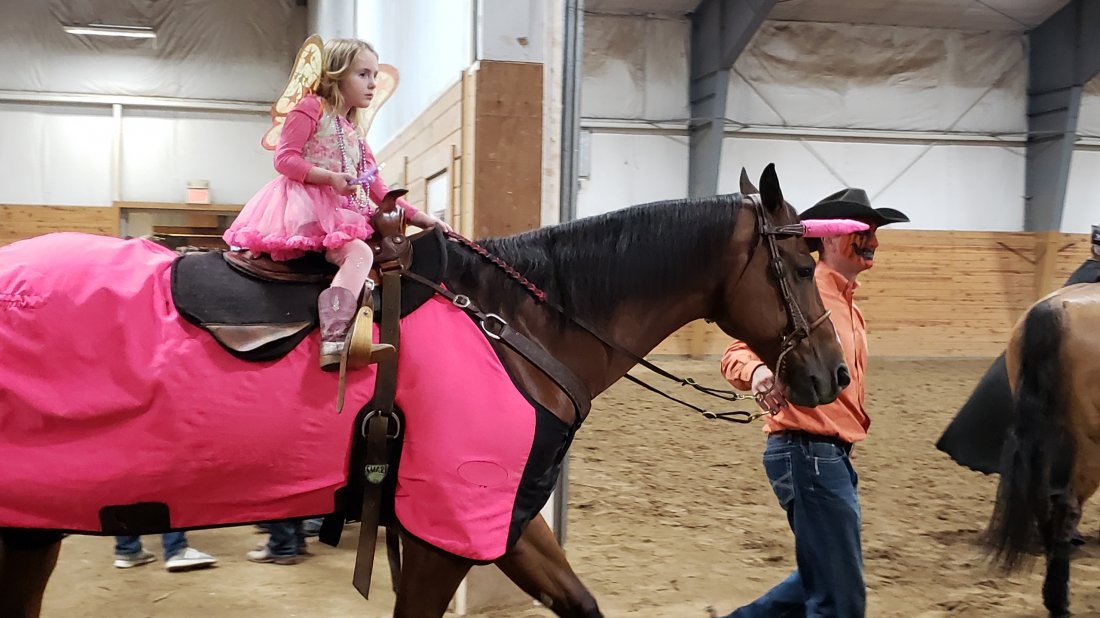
[{"x": 316, "y": 204}]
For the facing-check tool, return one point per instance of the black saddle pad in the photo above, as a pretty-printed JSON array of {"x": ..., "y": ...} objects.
[{"x": 211, "y": 294}]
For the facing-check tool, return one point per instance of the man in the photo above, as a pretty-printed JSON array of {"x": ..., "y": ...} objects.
[{"x": 807, "y": 453}]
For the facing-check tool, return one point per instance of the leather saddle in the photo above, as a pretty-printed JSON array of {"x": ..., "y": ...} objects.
[
  {"x": 261, "y": 318},
  {"x": 389, "y": 243}
]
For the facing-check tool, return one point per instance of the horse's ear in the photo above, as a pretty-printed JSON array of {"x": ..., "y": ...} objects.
[
  {"x": 746, "y": 185},
  {"x": 770, "y": 193}
]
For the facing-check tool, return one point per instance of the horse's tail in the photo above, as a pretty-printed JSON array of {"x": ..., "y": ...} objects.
[{"x": 1039, "y": 450}]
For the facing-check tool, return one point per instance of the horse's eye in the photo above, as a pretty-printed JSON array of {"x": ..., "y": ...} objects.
[{"x": 805, "y": 272}]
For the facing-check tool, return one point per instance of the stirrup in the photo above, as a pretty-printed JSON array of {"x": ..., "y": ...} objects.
[
  {"x": 330, "y": 358},
  {"x": 360, "y": 350}
]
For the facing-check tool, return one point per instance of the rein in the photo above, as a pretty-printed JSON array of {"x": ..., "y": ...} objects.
[
  {"x": 734, "y": 416},
  {"x": 801, "y": 328}
]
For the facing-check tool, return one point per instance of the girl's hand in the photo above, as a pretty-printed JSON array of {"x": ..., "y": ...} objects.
[
  {"x": 342, "y": 182},
  {"x": 424, "y": 221}
]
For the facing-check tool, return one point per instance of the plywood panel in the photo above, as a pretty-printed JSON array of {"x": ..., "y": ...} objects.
[
  {"x": 508, "y": 181},
  {"x": 18, "y": 221},
  {"x": 486, "y": 130}
]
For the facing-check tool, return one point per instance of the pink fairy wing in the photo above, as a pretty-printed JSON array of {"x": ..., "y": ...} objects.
[
  {"x": 304, "y": 77},
  {"x": 821, "y": 228}
]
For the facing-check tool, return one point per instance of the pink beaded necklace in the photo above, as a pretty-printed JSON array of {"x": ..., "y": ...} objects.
[{"x": 358, "y": 200}]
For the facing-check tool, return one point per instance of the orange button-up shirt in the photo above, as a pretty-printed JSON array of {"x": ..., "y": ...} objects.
[{"x": 844, "y": 418}]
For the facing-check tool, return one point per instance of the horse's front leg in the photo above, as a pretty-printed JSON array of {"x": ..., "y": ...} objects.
[
  {"x": 429, "y": 579},
  {"x": 27, "y": 559},
  {"x": 1064, "y": 518},
  {"x": 537, "y": 565}
]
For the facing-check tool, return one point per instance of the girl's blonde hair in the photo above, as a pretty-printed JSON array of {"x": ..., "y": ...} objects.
[{"x": 339, "y": 56}]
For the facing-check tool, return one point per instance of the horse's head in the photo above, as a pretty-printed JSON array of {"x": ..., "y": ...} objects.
[{"x": 769, "y": 299}]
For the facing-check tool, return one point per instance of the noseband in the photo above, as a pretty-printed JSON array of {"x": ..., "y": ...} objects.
[{"x": 800, "y": 326}]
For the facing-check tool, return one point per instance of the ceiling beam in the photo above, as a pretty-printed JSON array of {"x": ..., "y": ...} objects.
[
  {"x": 720, "y": 31},
  {"x": 1064, "y": 56}
]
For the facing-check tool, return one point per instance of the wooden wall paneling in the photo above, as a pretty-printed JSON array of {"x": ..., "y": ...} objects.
[
  {"x": 937, "y": 293},
  {"x": 425, "y": 147},
  {"x": 456, "y": 184},
  {"x": 19, "y": 221}
]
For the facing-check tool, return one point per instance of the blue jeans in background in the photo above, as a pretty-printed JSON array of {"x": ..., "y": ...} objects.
[
  {"x": 286, "y": 537},
  {"x": 815, "y": 483},
  {"x": 173, "y": 542}
]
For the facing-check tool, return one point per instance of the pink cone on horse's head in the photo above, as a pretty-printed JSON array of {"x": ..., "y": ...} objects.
[{"x": 822, "y": 228}]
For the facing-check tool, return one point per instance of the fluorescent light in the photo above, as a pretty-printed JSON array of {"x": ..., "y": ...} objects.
[{"x": 133, "y": 32}]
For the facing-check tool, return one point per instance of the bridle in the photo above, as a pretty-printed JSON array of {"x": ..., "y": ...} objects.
[{"x": 800, "y": 326}]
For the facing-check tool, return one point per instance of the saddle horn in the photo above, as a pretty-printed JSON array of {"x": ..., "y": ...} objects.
[{"x": 389, "y": 240}]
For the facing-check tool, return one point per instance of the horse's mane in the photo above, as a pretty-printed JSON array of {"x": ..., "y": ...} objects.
[{"x": 589, "y": 265}]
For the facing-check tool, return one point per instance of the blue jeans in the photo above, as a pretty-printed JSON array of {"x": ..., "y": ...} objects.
[
  {"x": 173, "y": 542},
  {"x": 816, "y": 485},
  {"x": 286, "y": 537}
]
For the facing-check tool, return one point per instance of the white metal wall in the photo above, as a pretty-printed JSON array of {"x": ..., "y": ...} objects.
[
  {"x": 56, "y": 154},
  {"x": 56, "y": 100},
  {"x": 928, "y": 121},
  {"x": 162, "y": 150},
  {"x": 431, "y": 44}
]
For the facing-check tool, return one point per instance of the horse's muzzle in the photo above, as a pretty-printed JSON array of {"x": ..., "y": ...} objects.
[{"x": 814, "y": 388}]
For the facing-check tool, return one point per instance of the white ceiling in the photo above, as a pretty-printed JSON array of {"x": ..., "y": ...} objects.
[{"x": 1002, "y": 15}]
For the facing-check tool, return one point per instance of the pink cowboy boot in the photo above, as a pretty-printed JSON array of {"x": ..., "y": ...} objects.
[{"x": 337, "y": 309}]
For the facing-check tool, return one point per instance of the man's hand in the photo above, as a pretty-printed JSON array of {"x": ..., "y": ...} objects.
[{"x": 768, "y": 390}]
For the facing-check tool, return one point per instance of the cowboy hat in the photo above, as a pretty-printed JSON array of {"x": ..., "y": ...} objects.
[{"x": 853, "y": 204}]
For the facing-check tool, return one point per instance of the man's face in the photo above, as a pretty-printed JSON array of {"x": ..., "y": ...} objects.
[{"x": 857, "y": 251}]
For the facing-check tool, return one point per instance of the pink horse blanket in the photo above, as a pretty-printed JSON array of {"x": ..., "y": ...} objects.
[{"x": 108, "y": 397}]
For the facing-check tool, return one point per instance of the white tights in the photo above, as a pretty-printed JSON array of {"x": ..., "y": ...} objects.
[{"x": 355, "y": 260}]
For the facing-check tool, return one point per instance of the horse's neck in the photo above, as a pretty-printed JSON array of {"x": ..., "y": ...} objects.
[
  {"x": 637, "y": 325},
  {"x": 630, "y": 314},
  {"x": 642, "y": 327}
]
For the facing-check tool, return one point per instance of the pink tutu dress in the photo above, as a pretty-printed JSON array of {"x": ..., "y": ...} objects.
[{"x": 288, "y": 216}]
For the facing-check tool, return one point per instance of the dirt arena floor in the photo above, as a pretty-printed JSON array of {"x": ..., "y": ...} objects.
[{"x": 669, "y": 513}]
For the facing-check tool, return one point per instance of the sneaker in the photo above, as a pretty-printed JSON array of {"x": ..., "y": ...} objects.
[
  {"x": 262, "y": 554},
  {"x": 189, "y": 559},
  {"x": 126, "y": 561}
]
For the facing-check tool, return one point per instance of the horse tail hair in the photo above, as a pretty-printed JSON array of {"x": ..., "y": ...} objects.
[{"x": 1038, "y": 451}]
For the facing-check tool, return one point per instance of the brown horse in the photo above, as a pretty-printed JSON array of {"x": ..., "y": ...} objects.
[
  {"x": 1051, "y": 461},
  {"x": 633, "y": 277}
]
